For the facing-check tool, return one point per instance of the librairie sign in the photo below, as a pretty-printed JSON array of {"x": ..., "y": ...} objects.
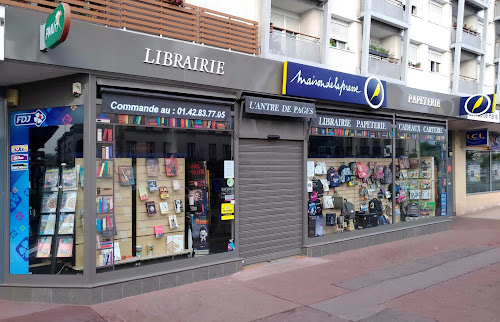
[
  {"x": 341, "y": 122},
  {"x": 313, "y": 82},
  {"x": 162, "y": 107},
  {"x": 260, "y": 105},
  {"x": 56, "y": 27}
]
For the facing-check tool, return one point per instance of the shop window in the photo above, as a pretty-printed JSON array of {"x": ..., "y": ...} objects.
[
  {"x": 46, "y": 191},
  {"x": 349, "y": 178},
  {"x": 421, "y": 173},
  {"x": 162, "y": 190},
  {"x": 478, "y": 171}
]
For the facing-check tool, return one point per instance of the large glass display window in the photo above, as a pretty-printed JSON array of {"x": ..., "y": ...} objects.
[
  {"x": 420, "y": 190},
  {"x": 46, "y": 191},
  {"x": 349, "y": 175},
  {"x": 165, "y": 186}
]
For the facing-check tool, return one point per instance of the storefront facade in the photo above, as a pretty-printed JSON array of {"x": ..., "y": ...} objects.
[
  {"x": 190, "y": 172},
  {"x": 475, "y": 146}
]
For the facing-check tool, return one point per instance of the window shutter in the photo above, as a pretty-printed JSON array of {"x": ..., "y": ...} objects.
[
  {"x": 339, "y": 31},
  {"x": 413, "y": 54},
  {"x": 278, "y": 20},
  {"x": 435, "y": 56}
]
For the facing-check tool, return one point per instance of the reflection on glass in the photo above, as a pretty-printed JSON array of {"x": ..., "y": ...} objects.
[{"x": 477, "y": 171}]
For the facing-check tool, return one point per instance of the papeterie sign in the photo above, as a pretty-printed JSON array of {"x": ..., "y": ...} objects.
[
  {"x": 56, "y": 27},
  {"x": 423, "y": 100},
  {"x": 342, "y": 122},
  {"x": 260, "y": 105},
  {"x": 307, "y": 81}
]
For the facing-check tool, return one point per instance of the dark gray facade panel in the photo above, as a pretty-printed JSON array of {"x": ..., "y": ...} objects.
[
  {"x": 119, "y": 51},
  {"x": 270, "y": 210},
  {"x": 3, "y": 156}
]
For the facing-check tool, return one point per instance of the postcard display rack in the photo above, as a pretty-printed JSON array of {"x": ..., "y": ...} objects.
[
  {"x": 137, "y": 218},
  {"x": 60, "y": 202},
  {"x": 350, "y": 192},
  {"x": 416, "y": 179}
]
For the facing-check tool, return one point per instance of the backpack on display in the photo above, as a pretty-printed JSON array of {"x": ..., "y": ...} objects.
[
  {"x": 317, "y": 186},
  {"x": 375, "y": 207},
  {"x": 412, "y": 210},
  {"x": 352, "y": 166},
  {"x": 345, "y": 174},
  {"x": 348, "y": 210},
  {"x": 387, "y": 175},
  {"x": 361, "y": 170},
  {"x": 382, "y": 220},
  {"x": 378, "y": 172},
  {"x": 331, "y": 219},
  {"x": 333, "y": 177}
]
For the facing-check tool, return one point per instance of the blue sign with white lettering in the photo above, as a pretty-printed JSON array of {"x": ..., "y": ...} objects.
[
  {"x": 476, "y": 137},
  {"x": 477, "y": 105},
  {"x": 313, "y": 82}
]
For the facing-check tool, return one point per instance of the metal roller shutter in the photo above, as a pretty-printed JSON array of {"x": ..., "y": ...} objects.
[{"x": 271, "y": 199}]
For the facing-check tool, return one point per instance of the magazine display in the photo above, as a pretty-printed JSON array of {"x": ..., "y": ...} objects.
[
  {"x": 47, "y": 224},
  {"x": 68, "y": 201},
  {"x": 44, "y": 245},
  {"x": 66, "y": 224},
  {"x": 65, "y": 247},
  {"x": 70, "y": 179},
  {"x": 51, "y": 179},
  {"x": 49, "y": 202}
]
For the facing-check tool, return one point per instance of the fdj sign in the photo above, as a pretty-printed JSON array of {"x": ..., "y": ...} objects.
[
  {"x": 57, "y": 26},
  {"x": 477, "y": 137},
  {"x": 34, "y": 118}
]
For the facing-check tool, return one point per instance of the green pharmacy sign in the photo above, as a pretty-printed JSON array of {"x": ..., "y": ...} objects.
[{"x": 56, "y": 27}]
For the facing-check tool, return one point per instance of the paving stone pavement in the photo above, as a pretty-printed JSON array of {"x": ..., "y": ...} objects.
[{"x": 449, "y": 276}]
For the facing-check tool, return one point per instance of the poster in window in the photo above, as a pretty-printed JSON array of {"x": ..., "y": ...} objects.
[
  {"x": 198, "y": 204},
  {"x": 473, "y": 172}
]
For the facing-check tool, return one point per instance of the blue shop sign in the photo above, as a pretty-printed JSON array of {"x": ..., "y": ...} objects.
[
  {"x": 313, "y": 82},
  {"x": 476, "y": 137},
  {"x": 478, "y": 104}
]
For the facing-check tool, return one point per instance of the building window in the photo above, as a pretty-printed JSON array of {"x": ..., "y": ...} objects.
[
  {"x": 413, "y": 60},
  {"x": 478, "y": 171},
  {"x": 435, "y": 12},
  {"x": 414, "y": 10},
  {"x": 338, "y": 34},
  {"x": 434, "y": 61}
]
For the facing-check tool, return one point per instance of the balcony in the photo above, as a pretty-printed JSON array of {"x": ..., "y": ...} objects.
[
  {"x": 467, "y": 85},
  {"x": 393, "y": 9},
  {"x": 470, "y": 38},
  {"x": 294, "y": 45},
  {"x": 496, "y": 15},
  {"x": 387, "y": 67},
  {"x": 187, "y": 22}
]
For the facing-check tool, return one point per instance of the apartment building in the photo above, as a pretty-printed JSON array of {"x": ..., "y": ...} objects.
[{"x": 213, "y": 134}]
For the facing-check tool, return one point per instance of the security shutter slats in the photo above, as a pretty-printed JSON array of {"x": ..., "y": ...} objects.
[{"x": 271, "y": 192}]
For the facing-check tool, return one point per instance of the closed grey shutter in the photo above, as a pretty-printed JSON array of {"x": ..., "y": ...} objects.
[{"x": 271, "y": 199}]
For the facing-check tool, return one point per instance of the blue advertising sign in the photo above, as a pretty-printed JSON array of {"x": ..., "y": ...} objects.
[
  {"x": 478, "y": 104},
  {"x": 313, "y": 82},
  {"x": 443, "y": 203},
  {"x": 476, "y": 137},
  {"x": 20, "y": 125}
]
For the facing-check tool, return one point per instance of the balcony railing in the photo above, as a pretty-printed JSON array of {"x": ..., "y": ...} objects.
[
  {"x": 467, "y": 85},
  {"x": 388, "y": 67},
  {"x": 390, "y": 8},
  {"x": 187, "y": 22},
  {"x": 469, "y": 37},
  {"x": 294, "y": 44}
]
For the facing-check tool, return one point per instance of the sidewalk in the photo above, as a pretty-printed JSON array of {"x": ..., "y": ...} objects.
[{"x": 449, "y": 276}]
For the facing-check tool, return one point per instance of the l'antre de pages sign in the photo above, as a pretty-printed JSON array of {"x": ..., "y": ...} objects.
[
  {"x": 269, "y": 106},
  {"x": 176, "y": 60}
]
